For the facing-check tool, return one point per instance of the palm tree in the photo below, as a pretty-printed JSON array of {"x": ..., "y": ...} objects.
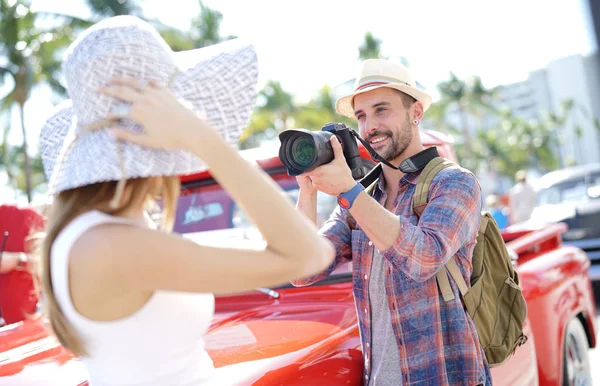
[
  {"x": 278, "y": 102},
  {"x": 205, "y": 29},
  {"x": 109, "y": 8},
  {"x": 29, "y": 54},
  {"x": 516, "y": 143},
  {"x": 274, "y": 114},
  {"x": 370, "y": 47},
  {"x": 260, "y": 127},
  {"x": 325, "y": 99},
  {"x": 11, "y": 158},
  {"x": 578, "y": 115},
  {"x": 470, "y": 99},
  {"x": 319, "y": 111}
]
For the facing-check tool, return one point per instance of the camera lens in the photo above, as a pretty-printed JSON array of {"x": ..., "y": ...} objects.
[{"x": 303, "y": 152}]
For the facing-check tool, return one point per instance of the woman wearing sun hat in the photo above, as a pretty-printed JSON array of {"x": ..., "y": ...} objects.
[{"x": 133, "y": 301}]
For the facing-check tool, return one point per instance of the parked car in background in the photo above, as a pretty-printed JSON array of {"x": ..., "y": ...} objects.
[
  {"x": 309, "y": 336},
  {"x": 572, "y": 196}
]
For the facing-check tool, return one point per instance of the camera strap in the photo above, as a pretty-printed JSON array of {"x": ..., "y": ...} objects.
[
  {"x": 372, "y": 152},
  {"x": 409, "y": 165},
  {"x": 419, "y": 160}
]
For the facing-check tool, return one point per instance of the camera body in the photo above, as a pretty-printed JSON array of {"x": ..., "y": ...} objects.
[{"x": 302, "y": 150}]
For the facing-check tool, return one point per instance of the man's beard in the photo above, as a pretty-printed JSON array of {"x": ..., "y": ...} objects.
[{"x": 399, "y": 140}]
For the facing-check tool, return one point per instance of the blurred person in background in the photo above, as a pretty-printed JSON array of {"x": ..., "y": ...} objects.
[
  {"x": 498, "y": 211},
  {"x": 522, "y": 199},
  {"x": 18, "y": 298}
]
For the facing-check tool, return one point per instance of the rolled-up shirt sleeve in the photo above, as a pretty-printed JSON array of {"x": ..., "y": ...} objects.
[
  {"x": 336, "y": 230},
  {"x": 449, "y": 222}
]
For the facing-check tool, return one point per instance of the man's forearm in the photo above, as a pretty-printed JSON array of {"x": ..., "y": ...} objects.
[
  {"x": 381, "y": 226},
  {"x": 10, "y": 260},
  {"x": 449, "y": 222},
  {"x": 307, "y": 205}
]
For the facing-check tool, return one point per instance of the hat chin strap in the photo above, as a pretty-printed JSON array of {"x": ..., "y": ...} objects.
[{"x": 409, "y": 165}]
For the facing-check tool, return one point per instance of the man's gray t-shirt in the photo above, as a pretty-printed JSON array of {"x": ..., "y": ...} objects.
[{"x": 385, "y": 357}]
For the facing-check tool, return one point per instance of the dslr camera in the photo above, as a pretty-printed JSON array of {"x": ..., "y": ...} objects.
[{"x": 302, "y": 150}]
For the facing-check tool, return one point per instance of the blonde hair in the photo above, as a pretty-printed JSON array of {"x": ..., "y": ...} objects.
[{"x": 68, "y": 205}]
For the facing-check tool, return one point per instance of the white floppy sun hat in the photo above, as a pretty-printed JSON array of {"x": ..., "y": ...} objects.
[
  {"x": 377, "y": 73},
  {"x": 218, "y": 82}
]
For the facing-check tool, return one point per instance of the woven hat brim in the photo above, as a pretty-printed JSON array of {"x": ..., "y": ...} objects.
[{"x": 219, "y": 82}]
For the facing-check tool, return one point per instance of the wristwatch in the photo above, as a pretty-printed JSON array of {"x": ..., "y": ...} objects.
[
  {"x": 346, "y": 199},
  {"x": 22, "y": 259}
]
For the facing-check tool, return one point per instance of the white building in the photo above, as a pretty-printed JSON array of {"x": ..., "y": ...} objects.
[{"x": 574, "y": 78}]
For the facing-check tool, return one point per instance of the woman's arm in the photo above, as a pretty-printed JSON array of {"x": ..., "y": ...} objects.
[{"x": 293, "y": 247}]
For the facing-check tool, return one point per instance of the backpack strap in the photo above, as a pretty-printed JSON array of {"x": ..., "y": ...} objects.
[
  {"x": 427, "y": 175},
  {"x": 452, "y": 268},
  {"x": 483, "y": 224},
  {"x": 420, "y": 200},
  {"x": 444, "y": 284}
]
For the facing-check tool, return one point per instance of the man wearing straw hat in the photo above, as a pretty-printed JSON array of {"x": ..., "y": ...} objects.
[{"x": 409, "y": 334}]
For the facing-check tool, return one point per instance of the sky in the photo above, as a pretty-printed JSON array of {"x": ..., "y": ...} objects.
[{"x": 307, "y": 44}]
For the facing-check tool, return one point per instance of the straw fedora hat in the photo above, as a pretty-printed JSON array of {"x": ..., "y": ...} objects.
[
  {"x": 218, "y": 82},
  {"x": 377, "y": 73}
]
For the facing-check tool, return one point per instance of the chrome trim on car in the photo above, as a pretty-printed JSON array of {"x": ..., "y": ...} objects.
[{"x": 595, "y": 273}]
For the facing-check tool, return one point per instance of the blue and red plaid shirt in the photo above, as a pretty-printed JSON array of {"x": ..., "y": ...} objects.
[{"x": 437, "y": 340}]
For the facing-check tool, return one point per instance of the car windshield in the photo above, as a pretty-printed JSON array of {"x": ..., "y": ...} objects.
[
  {"x": 325, "y": 205},
  {"x": 572, "y": 190},
  {"x": 209, "y": 208},
  {"x": 210, "y": 215}
]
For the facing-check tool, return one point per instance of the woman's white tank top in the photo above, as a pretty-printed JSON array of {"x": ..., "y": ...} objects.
[{"x": 160, "y": 344}]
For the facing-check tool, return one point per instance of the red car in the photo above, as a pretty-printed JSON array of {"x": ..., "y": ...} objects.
[{"x": 309, "y": 336}]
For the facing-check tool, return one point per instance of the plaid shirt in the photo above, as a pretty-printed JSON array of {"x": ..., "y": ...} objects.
[{"x": 437, "y": 340}]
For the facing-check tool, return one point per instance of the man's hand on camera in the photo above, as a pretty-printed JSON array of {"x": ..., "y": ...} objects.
[
  {"x": 305, "y": 184},
  {"x": 335, "y": 177}
]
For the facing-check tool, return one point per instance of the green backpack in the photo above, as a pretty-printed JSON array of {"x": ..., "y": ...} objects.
[{"x": 494, "y": 300}]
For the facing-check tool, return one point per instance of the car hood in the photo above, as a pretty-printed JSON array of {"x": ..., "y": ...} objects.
[
  {"x": 30, "y": 356},
  {"x": 248, "y": 344},
  {"x": 252, "y": 334},
  {"x": 274, "y": 329},
  {"x": 581, "y": 217},
  {"x": 565, "y": 210},
  {"x": 554, "y": 213}
]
